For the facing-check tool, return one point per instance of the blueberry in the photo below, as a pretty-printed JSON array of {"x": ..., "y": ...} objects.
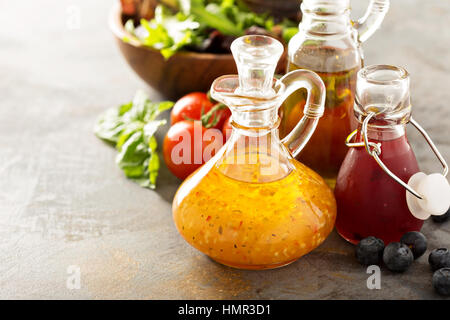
[
  {"x": 397, "y": 257},
  {"x": 369, "y": 251},
  {"x": 441, "y": 281},
  {"x": 416, "y": 241},
  {"x": 442, "y": 218},
  {"x": 439, "y": 258}
]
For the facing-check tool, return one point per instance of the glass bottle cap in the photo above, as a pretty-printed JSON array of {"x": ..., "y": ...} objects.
[{"x": 256, "y": 59}]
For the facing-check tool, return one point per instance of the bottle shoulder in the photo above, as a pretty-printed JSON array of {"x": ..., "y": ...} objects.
[
  {"x": 396, "y": 154},
  {"x": 327, "y": 54}
]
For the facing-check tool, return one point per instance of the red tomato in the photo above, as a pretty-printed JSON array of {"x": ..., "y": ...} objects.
[
  {"x": 222, "y": 114},
  {"x": 190, "y": 106},
  {"x": 188, "y": 145},
  {"x": 195, "y": 106},
  {"x": 226, "y": 129}
]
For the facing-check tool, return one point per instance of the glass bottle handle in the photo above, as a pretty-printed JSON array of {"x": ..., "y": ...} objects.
[
  {"x": 314, "y": 108},
  {"x": 372, "y": 19}
]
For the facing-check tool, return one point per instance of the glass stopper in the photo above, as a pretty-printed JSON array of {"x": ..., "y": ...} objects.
[{"x": 256, "y": 59}]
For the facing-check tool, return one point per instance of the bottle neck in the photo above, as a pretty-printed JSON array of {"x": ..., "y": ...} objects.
[
  {"x": 253, "y": 153},
  {"x": 256, "y": 120},
  {"x": 383, "y": 133},
  {"x": 326, "y": 18}
]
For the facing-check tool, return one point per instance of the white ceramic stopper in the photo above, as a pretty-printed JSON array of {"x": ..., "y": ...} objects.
[{"x": 435, "y": 191}]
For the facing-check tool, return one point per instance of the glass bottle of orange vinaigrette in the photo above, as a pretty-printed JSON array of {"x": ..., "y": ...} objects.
[
  {"x": 328, "y": 43},
  {"x": 380, "y": 165},
  {"x": 253, "y": 206}
]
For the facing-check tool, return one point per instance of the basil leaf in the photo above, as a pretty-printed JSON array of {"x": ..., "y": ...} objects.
[
  {"x": 150, "y": 129},
  {"x": 131, "y": 128},
  {"x": 126, "y": 133},
  {"x": 129, "y": 155},
  {"x": 153, "y": 165},
  {"x": 109, "y": 128},
  {"x": 134, "y": 171}
]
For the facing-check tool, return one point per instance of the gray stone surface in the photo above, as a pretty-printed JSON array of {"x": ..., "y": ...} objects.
[{"x": 63, "y": 201}]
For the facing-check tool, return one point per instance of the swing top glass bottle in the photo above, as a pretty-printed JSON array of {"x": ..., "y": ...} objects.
[{"x": 370, "y": 202}]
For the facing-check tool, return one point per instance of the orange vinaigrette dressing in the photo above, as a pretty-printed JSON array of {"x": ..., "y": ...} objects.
[{"x": 256, "y": 225}]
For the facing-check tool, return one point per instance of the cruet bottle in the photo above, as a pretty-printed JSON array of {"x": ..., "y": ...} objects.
[
  {"x": 253, "y": 206},
  {"x": 328, "y": 43},
  {"x": 379, "y": 181}
]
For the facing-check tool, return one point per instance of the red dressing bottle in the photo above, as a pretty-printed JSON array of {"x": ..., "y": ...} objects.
[{"x": 379, "y": 189}]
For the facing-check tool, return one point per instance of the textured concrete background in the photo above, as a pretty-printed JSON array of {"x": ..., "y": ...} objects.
[{"x": 64, "y": 202}]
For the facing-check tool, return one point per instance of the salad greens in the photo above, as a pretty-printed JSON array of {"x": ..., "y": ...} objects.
[
  {"x": 190, "y": 24},
  {"x": 131, "y": 128}
]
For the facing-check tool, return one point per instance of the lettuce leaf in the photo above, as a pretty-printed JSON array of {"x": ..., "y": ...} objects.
[{"x": 170, "y": 32}]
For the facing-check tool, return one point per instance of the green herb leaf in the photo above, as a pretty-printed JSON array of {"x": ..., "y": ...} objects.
[
  {"x": 131, "y": 128},
  {"x": 109, "y": 126},
  {"x": 213, "y": 19},
  {"x": 153, "y": 164},
  {"x": 288, "y": 33}
]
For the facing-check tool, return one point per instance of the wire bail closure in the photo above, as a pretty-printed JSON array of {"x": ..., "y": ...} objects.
[{"x": 374, "y": 149}]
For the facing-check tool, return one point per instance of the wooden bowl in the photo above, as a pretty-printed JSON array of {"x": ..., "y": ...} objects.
[{"x": 182, "y": 73}]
